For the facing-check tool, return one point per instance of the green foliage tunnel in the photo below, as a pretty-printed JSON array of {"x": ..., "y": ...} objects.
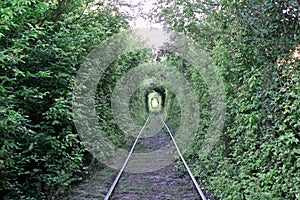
[{"x": 254, "y": 44}]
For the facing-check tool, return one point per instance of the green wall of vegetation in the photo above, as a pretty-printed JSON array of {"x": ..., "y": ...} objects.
[
  {"x": 251, "y": 42},
  {"x": 42, "y": 44}
]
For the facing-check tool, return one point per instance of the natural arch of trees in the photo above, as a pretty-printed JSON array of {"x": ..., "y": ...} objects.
[{"x": 253, "y": 43}]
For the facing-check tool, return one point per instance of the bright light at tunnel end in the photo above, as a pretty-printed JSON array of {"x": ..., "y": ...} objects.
[{"x": 90, "y": 72}]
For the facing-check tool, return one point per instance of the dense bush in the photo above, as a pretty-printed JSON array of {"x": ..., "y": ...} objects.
[
  {"x": 106, "y": 86},
  {"x": 42, "y": 44},
  {"x": 252, "y": 44}
]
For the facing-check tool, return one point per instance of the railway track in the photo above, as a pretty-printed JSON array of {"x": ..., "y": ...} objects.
[{"x": 119, "y": 175}]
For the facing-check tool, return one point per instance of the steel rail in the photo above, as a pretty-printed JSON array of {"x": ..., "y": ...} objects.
[
  {"x": 185, "y": 164},
  {"x": 111, "y": 189}
]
